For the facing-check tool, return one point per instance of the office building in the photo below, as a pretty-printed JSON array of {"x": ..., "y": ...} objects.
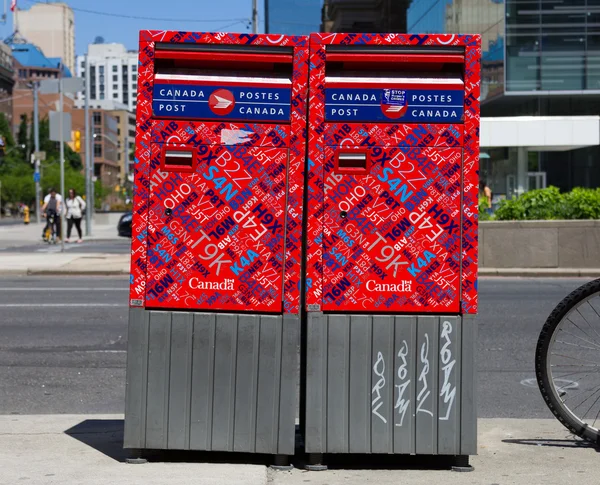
[
  {"x": 31, "y": 65},
  {"x": 105, "y": 146},
  {"x": 484, "y": 17},
  {"x": 292, "y": 17},
  {"x": 364, "y": 16},
  {"x": 51, "y": 26},
  {"x": 7, "y": 81},
  {"x": 113, "y": 74}
]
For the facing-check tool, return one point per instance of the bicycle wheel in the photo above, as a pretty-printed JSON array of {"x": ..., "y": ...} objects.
[{"x": 567, "y": 361}]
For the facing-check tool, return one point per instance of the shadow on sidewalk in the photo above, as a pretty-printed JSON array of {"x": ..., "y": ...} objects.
[
  {"x": 566, "y": 443},
  {"x": 104, "y": 435}
]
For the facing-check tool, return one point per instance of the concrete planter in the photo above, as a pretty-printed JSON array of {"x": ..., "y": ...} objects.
[{"x": 539, "y": 244}]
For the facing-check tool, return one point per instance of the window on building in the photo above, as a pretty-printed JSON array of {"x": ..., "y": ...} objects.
[
  {"x": 101, "y": 95},
  {"x": 115, "y": 87},
  {"x": 131, "y": 132},
  {"x": 125, "y": 99},
  {"x": 125, "y": 71},
  {"x": 115, "y": 95},
  {"x": 82, "y": 64},
  {"x": 115, "y": 69},
  {"x": 118, "y": 129},
  {"x": 101, "y": 69},
  {"x": 133, "y": 87},
  {"x": 97, "y": 129},
  {"x": 133, "y": 68},
  {"x": 97, "y": 117},
  {"x": 101, "y": 78},
  {"x": 134, "y": 77},
  {"x": 115, "y": 78},
  {"x": 97, "y": 150}
]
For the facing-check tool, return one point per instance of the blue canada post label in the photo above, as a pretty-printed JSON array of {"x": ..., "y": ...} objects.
[
  {"x": 389, "y": 105},
  {"x": 219, "y": 102}
]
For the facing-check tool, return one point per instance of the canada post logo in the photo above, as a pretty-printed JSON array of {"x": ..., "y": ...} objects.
[
  {"x": 393, "y": 103},
  {"x": 383, "y": 105},
  {"x": 194, "y": 101},
  {"x": 221, "y": 102}
]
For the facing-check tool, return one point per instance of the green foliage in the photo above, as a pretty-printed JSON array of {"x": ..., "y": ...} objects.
[
  {"x": 5, "y": 131},
  {"x": 581, "y": 203},
  {"x": 549, "y": 203},
  {"x": 541, "y": 204},
  {"x": 16, "y": 171},
  {"x": 18, "y": 186}
]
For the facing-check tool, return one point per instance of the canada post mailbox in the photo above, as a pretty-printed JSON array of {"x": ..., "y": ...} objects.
[
  {"x": 392, "y": 243},
  {"x": 216, "y": 245}
]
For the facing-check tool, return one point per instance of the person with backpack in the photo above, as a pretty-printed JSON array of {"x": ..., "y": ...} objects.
[{"x": 75, "y": 210}]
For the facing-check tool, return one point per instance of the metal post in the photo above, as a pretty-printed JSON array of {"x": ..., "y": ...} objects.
[
  {"x": 62, "y": 164},
  {"x": 89, "y": 160},
  {"x": 254, "y": 16},
  {"x": 36, "y": 142},
  {"x": 126, "y": 147}
]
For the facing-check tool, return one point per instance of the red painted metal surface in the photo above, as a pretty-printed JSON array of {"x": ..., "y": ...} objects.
[
  {"x": 402, "y": 238},
  {"x": 226, "y": 236}
]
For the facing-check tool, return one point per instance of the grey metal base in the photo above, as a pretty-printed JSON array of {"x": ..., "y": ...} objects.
[
  {"x": 390, "y": 384},
  {"x": 211, "y": 381}
]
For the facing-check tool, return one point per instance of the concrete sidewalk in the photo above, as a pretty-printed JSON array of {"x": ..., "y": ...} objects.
[
  {"x": 87, "y": 449},
  {"x": 22, "y": 235},
  {"x": 64, "y": 264}
]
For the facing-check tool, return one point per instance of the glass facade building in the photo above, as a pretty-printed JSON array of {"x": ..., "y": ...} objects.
[
  {"x": 485, "y": 17},
  {"x": 552, "y": 45},
  {"x": 292, "y": 17}
]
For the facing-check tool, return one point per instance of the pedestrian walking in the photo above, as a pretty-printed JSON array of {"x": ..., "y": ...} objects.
[{"x": 75, "y": 210}]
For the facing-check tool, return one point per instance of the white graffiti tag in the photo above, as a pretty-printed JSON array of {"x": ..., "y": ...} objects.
[
  {"x": 448, "y": 391},
  {"x": 402, "y": 404},
  {"x": 425, "y": 392},
  {"x": 379, "y": 370}
]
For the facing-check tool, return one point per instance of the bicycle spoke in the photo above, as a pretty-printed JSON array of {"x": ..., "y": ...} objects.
[
  {"x": 587, "y": 398},
  {"x": 589, "y": 409},
  {"x": 586, "y": 321},
  {"x": 582, "y": 331},
  {"x": 575, "y": 358},
  {"x": 580, "y": 338},
  {"x": 576, "y": 345},
  {"x": 568, "y": 375}
]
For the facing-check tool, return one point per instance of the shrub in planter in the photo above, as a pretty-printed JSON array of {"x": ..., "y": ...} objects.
[
  {"x": 540, "y": 204},
  {"x": 581, "y": 203}
]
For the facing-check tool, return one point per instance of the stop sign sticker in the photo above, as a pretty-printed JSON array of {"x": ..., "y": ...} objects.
[{"x": 221, "y": 102}]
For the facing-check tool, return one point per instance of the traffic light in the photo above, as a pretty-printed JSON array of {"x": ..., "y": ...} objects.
[{"x": 77, "y": 141}]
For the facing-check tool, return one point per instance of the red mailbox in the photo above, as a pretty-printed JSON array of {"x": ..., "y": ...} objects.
[
  {"x": 392, "y": 213},
  {"x": 218, "y": 189}
]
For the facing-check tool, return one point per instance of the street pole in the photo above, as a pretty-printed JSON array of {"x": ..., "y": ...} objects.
[
  {"x": 36, "y": 142},
  {"x": 254, "y": 16},
  {"x": 62, "y": 164},
  {"x": 88, "y": 157}
]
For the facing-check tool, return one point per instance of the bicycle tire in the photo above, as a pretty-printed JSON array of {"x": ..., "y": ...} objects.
[{"x": 547, "y": 338}]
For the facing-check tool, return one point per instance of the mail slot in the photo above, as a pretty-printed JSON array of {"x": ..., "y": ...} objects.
[
  {"x": 214, "y": 320},
  {"x": 391, "y": 244}
]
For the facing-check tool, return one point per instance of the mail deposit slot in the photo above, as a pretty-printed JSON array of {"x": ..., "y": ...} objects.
[
  {"x": 392, "y": 244},
  {"x": 216, "y": 249}
]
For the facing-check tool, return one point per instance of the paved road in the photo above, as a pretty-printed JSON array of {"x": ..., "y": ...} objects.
[
  {"x": 113, "y": 246},
  {"x": 63, "y": 341}
]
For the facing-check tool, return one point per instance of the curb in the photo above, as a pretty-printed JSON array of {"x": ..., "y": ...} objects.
[
  {"x": 541, "y": 272},
  {"x": 81, "y": 272}
]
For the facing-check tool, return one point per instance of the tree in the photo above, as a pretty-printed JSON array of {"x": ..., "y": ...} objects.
[
  {"x": 5, "y": 131},
  {"x": 22, "y": 138}
]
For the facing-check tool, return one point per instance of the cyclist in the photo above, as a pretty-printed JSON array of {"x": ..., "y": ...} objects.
[{"x": 52, "y": 205}]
